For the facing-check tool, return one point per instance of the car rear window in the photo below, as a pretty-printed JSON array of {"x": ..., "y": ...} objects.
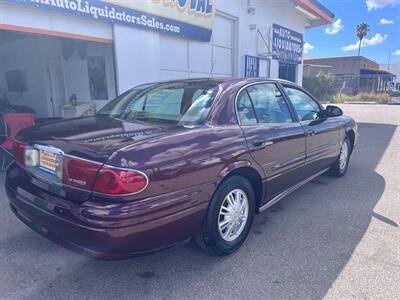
[{"x": 183, "y": 103}]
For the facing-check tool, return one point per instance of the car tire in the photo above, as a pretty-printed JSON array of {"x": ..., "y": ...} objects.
[
  {"x": 340, "y": 166},
  {"x": 213, "y": 235}
]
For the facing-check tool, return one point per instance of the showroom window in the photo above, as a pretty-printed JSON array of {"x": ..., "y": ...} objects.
[{"x": 47, "y": 73}]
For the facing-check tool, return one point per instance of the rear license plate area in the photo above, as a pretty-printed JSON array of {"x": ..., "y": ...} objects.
[{"x": 48, "y": 161}]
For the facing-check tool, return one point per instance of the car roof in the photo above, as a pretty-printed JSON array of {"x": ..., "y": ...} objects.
[
  {"x": 254, "y": 79},
  {"x": 230, "y": 81}
]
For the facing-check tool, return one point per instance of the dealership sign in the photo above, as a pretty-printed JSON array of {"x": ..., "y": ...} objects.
[
  {"x": 287, "y": 45},
  {"x": 191, "y": 19}
]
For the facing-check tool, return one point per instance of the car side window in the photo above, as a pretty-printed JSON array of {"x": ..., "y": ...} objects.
[
  {"x": 269, "y": 104},
  {"x": 305, "y": 107},
  {"x": 245, "y": 109}
]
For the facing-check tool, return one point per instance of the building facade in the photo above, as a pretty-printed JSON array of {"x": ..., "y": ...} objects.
[
  {"x": 354, "y": 74},
  {"x": 54, "y": 52}
]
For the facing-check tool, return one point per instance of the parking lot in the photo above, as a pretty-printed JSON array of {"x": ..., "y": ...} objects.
[{"x": 333, "y": 239}]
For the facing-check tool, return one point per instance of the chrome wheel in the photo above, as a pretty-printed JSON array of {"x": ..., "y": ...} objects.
[
  {"x": 343, "y": 157},
  {"x": 233, "y": 215}
]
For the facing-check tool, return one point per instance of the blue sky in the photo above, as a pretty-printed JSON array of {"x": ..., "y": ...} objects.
[{"x": 339, "y": 39}]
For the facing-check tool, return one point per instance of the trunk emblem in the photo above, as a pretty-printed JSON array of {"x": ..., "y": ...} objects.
[{"x": 80, "y": 182}]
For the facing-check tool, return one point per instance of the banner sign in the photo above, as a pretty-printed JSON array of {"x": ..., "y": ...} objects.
[
  {"x": 192, "y": 19},
  {"x": 287, "y": 45}
]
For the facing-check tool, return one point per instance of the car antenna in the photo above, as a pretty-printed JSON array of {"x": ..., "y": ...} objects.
[{"x": 212, "y": 68}]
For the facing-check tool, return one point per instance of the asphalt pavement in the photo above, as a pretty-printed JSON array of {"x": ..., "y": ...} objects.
[{"x": 333, "y": 239}]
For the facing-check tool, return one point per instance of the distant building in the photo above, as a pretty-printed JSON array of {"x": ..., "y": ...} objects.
[
  {"x": 395, "y": 69},
  {"x": 354, "y": 74}
]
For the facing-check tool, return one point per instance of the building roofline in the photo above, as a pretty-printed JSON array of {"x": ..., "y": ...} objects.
[
  {"x": 378, "y": 71},
  {"x": 323, "y": 8},
  {"x": 319, "y": 66},
  {"x": 316, "y": 8},
  {"x": 340, "y": 57}
]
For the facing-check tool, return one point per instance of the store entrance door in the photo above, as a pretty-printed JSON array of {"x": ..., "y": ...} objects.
[{"x": 287, "y": 71}]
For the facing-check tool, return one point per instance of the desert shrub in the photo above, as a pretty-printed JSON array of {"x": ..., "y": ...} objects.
[
  {"x": 362, "y": 97},
  {"x": 321, "y": 86}
]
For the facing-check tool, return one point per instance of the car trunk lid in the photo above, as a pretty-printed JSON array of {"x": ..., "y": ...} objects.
[
  {"x": 89, "y": 141},
  {"x": 93, "y": 138}
]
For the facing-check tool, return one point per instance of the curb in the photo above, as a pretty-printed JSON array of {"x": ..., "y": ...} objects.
[{"x": 360, "y": 102}]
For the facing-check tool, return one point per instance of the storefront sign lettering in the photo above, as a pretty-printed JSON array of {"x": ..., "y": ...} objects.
[
  {"x": 287, "y": 45},
  {"x": 191, "y": 19}
]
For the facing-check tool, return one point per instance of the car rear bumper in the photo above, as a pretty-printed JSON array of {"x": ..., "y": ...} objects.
[{"x": 105, "y": 235}]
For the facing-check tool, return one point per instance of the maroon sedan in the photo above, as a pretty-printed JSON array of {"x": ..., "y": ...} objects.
[{"x": 169, "y": 161}]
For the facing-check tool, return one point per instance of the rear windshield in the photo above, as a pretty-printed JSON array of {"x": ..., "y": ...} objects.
[{"x": 182, "y": 104}]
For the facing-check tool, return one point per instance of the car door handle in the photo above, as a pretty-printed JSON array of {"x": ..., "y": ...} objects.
[
  {"x": 261, "y": 143},
  {"x": 311, "y": 132}
]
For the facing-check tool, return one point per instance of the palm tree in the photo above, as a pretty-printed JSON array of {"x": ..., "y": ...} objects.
[{"x": 362, "y": 30}]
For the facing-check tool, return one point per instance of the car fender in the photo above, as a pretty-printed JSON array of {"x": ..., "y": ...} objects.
[{"x": 229, "y": 169}]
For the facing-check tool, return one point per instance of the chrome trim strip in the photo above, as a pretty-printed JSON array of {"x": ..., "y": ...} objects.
[
  {"x": 47, "y": 148},
  {"x": 269, "y": 143},
  {"x": 83, "y": 159},
  {"x": 124, "y": 195},
  {"x": 290, "y": 190}
]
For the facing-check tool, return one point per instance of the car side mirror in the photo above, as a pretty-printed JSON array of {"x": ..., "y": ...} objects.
[
  {"x": 333, "y": 111},
  {"x": 278, "y": 94}
]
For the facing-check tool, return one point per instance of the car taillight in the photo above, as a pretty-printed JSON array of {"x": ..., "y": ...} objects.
[
  {"x": 18, "y": 150},
  {"x": 118, "y": 182},
  {"x": 106, "y": 180},
  {"x": 79, "y": 173}
]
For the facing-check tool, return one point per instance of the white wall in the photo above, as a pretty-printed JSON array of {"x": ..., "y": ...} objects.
[
  {"x": 281, "y": 12},
  {"x": 137, "y": 56},
  {"x": 189, "y": 58},
  {"x": 145, "y": 56}
]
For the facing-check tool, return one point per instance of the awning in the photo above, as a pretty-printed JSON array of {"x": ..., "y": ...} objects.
[
  {"x": 377, "y": 72},
  {"x": 315, "y": 12}
]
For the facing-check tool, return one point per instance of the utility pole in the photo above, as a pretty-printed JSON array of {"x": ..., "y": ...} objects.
[{"x": 388, "y": 67}]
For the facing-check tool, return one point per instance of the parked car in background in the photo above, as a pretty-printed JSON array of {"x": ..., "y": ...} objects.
[{"x": 169, "y": 161}]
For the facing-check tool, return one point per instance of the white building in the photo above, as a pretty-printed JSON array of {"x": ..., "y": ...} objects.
[
  {"x": 52, "y": 51},
  {"x": 393, "y": 68}
]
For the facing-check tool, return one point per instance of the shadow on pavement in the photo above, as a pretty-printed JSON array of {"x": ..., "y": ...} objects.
[{"x": 295, "y": 250}]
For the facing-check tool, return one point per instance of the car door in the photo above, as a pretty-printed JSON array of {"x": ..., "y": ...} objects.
[
  {"x": 322, "y": 134},
  {"x": 275, "y": 140}
]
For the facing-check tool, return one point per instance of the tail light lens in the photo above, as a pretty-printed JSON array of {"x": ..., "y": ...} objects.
[
  {"x": 18, "y": 150},
  {"x": 105, "y": 180},
  {"x": 79, "y": 173},
  {"x": 31, "y": 157},
  {"x": 119, "y": 182}
]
